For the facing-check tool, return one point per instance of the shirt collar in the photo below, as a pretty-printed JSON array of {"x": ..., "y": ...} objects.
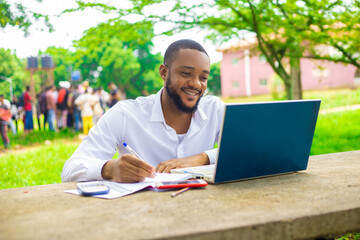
[{"x": 157, "y": 114}]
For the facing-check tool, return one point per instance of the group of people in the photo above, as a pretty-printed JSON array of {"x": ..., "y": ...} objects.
[{"x": 75, "y": 106}]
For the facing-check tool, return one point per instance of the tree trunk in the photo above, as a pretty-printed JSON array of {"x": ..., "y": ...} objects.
[
  {"x": 295, "y": 78},
  {"x": 288, "y": 88}
]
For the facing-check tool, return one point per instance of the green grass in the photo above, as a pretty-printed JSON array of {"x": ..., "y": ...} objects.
[
  {"x": 42, "y": 165},
  {"x": 350, "y": 236},
  {"x": 40, "y": 137},
  {"x": 337, "y": 132},
  {"x": 329, "y": 98}
]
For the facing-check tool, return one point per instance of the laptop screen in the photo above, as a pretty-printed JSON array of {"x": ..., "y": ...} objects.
[{"x": 260, "y": 139}]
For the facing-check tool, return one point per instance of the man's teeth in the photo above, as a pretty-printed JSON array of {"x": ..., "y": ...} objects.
[{"x": 191, "y": 93}]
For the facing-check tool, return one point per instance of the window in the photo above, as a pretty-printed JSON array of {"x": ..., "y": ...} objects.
[
  {"x": 235, "y": 61},
  {"x": 320, "y": 72},
  {"x": 357, "y": 76},
  {"x": 235, "y": 85},
  {"x": 263, "y": 82},
  {"x": 262, "y": 58}
]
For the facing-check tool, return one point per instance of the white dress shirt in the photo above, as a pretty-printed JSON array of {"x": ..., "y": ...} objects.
[{"x": 140, "y": 123}]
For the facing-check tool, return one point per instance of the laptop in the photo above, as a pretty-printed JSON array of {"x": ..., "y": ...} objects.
[{"x": 261, "y": 139}]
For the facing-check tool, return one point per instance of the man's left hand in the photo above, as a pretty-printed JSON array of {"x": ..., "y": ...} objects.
[{"x": 194, "y": 160}]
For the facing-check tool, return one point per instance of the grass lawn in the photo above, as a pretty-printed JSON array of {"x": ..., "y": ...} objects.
[
  {"x": 337, "y": 132},
  {"x": 41, "y": 165},
  {"x": 329, "y": 98}
]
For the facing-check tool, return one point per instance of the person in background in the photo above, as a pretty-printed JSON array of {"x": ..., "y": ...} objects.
[
  {"x": 38, "y": 112},
  {"x": 43, "y": 106},
  {"x": 29, "y": 123},
  {"x": 15, "y": 112},
  {"x": 61, "y": 108},
  {"x": 75, "y": 108},
  {"x": 98, "y": 110},
  {"x": 51, "y": 107},
  {"x": 86, "y": 102},
  {"x": 104, "y": 97},
  {"x": 5, "y": 116},
  {"x": 5, "y": 104},
  {"x": 114, "y": 94},
  {"x": 69, "y": 105}
]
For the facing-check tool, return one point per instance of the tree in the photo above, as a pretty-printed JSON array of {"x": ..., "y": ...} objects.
[
  {"x": 214, "y": 83},
  {"x": 11, "y": 67},
  {"x": 120, "y": 52},
  {"x": 17, "y": 15},
  {"x": 284, "y": 29}
]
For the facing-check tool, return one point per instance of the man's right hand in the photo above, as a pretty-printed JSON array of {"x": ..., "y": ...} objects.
[{"x": 127, "y": 169}]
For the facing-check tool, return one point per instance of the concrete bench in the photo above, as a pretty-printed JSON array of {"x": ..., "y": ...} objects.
[{"x": 322, "y": 201}]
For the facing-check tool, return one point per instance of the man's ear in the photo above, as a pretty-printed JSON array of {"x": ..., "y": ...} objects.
[{"x": 163, "y": 71}]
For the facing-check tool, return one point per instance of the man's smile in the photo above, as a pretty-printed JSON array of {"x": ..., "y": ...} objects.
[{"x": 191, "y": 92}]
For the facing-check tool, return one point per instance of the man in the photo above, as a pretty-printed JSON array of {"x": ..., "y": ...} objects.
[
  {"x": 43, "y": 106},
  {"x": 5, "y": 104},
  {"x": 29, "y": 123},
  {"x": 175, "y": 128},
  {"x": 51, "y": 107},
  {"x": 114, "y": 94},
  {"x": 5, "y": 117},
  {"x": 86, "y": 102}
]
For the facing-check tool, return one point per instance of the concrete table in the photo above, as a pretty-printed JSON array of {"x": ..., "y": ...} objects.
[{"x": 319, "y": 202}]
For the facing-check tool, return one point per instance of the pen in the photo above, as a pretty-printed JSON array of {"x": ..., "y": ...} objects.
[
  {"x": 133, "y": 152},
  {"x": 179, "y": 192}
]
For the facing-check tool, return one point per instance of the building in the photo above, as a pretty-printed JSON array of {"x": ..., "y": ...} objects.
[{"x": 244, "y": 73}]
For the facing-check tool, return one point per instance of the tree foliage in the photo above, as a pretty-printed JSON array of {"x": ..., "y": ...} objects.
[
  {"x": 17, "y": 15},
  {"x": 286, "y": 30},
  {"x": 214, "y": 83},
  {"x": 120, "y": 52},
  {"x": 11, "y": 67}
]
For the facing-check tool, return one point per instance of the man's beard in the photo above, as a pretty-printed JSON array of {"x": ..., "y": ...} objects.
[{"x": 175, "y": 97}]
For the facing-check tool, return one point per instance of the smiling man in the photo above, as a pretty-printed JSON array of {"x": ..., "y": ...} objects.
[{"x": 175, "y": 128}]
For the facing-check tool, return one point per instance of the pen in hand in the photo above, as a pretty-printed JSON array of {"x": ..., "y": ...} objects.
[{"x": 134, "y": 153}]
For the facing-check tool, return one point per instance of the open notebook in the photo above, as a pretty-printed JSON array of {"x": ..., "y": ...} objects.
[
  {"x": 123, "y": 189},
  {"x": 261, "y": 139}
]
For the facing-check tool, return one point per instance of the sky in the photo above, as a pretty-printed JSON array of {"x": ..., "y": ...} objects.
[{"x": 70, "y": 26}]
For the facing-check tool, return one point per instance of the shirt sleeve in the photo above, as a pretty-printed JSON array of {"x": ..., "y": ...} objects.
[
  {"x": 96, "y": 149},
  {"x": 212, "y": 154}
]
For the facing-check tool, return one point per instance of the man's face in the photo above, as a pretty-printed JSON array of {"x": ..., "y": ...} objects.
[{"x": 186, "y": 79}]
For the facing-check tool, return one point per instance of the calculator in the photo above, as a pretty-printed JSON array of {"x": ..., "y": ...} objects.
[{"x": 92, "y": 188}]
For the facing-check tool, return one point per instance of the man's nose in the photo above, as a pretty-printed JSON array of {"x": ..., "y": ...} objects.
[{"x": 195, "y": 82}]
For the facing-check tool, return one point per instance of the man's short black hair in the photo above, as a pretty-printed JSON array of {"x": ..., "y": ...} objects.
[{"x": 174, "y": 48}]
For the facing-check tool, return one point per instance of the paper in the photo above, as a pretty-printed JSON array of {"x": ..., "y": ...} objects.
[{"x": 123, "y": 189}]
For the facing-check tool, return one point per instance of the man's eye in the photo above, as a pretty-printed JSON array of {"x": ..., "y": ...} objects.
[
  {"x": 204, "y": 79},
  {"x": 185, "y": 73}
]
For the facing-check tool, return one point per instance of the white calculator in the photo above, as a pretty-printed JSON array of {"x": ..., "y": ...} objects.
[{"x": 92, "y": 188}]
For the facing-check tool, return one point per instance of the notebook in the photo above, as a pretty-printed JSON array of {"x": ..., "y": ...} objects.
[{"x": 261, "y": 139}]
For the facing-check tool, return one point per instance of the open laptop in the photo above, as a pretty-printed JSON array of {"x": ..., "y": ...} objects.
[{"x": 261, "y": 139}]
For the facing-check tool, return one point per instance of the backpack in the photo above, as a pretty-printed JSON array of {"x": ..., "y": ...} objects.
[
  {"x": 62, "y": 99},
  {"x": 21, "y": 101}
]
